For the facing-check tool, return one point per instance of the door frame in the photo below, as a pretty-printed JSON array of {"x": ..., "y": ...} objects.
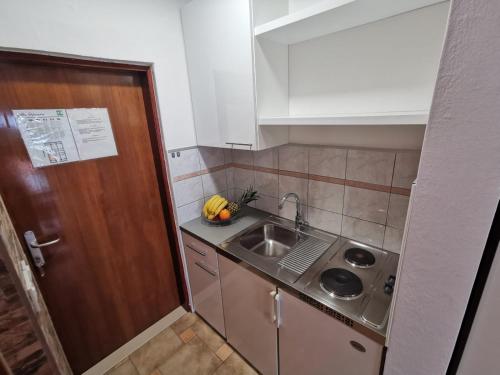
[{"x": 146, "y": 71}]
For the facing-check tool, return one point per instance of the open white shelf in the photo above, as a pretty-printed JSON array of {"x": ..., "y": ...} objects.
[
  {"x": 386, "y": 118},
  {"x": 330, "y": 16}
]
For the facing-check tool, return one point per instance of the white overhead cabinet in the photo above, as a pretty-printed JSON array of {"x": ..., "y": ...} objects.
[
  {"x": 218, "y": 36},
  {"x": 256, "y": 65}
]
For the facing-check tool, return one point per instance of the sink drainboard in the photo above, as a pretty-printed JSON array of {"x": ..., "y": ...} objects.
[{"x": 304, "y": 255}]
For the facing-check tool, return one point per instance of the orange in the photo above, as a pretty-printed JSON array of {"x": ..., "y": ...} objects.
[{"x": 225, "y": 214}]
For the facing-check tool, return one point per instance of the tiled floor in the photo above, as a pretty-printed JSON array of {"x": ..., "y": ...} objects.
[{"x": 187, "y": 347}]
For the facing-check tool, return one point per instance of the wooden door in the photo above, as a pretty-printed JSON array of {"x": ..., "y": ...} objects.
[
  {"x": 248, "y": 302},
  {"x": 112, "y": 274}
]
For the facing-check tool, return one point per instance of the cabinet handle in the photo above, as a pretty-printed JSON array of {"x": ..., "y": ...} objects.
[
  {"x": 356, "y": 345},
  {"x": 205, "y": 268},
  {"x": 239, "y": 144},
  {"x": 202, "y": 253},
  {"x": 275, "y": 307}
]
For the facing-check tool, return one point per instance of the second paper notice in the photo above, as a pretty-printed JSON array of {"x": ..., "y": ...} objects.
[{"x": 92, "y": 132}]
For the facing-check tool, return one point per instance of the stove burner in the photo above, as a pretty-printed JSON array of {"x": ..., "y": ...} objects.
[
  {"x": 341, "y": 283},
  {"x": 358, "y": 257}
]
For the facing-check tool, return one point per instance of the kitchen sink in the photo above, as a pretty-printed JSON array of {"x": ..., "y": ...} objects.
[
  {"x": 274, "y": 246},
  {"x": 270, "y": 240}
]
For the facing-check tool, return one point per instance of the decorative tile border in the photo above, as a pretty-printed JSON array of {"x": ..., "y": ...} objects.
[{"x": 315, "y": 177}]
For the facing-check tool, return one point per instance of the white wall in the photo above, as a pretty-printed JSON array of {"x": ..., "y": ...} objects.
[
  {"x": 385, "y": 66},
  {"x": 132, "y": 30},
  {"x": 391, "y": 136},
  {"x": 456, "y": 195}
]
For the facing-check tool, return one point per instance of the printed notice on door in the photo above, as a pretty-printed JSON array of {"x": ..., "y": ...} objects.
[
  {"x": 92, "y": 132},
  {"x": 47, "y": 136},
  {"x": 57, "y": 136}
]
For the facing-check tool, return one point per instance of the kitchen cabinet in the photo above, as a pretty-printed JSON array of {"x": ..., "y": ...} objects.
[
  {"x": 218, "y": 37},
  {"x": 203, "y": 271},
  {"x": 312, "y": 342},
  {"x": 258, "y": 67},
  {"x": 250, "y": 316}
]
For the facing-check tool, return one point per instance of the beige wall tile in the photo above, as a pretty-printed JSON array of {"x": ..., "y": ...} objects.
[
  {"x": 405, "y": 168},
  {"x": 269, "y": 204},
  {"x": 363, "y": 231},
  {"x": 187, "y": 191},
  {"x": 289, "y": 211},
  {"x": 374, "y": 167},
  {"x": 325, "y": 220},
  {"x": 366, "y": 204},
  {"x": 242, "y": 157},
  {"x": 288, "y": 184},
  {"x": 266, "y": 158},
  {"x": 326, "y": 196},
  {"x": 293, "y": 158},
  {"x": 211, "y": 157},
  {"x": 398, "y": 206},
  {"x": 214, "y": 183},
  {"x": 243, "y": 178},
  {"x": 392, "y": 239},
  {"x": 189, "y": 211},
  {"x": 327, "y": 161},
  {"x": 267, "y": 183},
  {"x": 187, "y": 162},
  {"x": 230, "y": 178}
]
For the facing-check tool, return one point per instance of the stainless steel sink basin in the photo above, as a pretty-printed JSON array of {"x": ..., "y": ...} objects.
[
  {"x": 274, "y": 246},
  {"x": 270, "y": 240}
]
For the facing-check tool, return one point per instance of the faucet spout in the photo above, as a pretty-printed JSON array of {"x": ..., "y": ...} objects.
[{"x": 299, "y": 220}]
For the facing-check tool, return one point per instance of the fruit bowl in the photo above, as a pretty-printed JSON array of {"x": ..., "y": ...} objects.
[
  {"x": 218, "y": 211},
  {"x": 221, "y": 223}
]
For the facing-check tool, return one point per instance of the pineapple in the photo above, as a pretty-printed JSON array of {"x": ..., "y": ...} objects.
[{"x": 248, "y": 196}]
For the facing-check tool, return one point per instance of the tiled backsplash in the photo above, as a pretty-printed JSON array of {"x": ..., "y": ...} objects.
[{"x": 360, "y": 193}]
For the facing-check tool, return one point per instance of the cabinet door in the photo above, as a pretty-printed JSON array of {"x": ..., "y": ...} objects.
[
  {"x": 205, "y": 285},
  {"x": 314, "y": 343},
  {"x": 218, "y": 42},
  {"x": 249, "y": 310}
]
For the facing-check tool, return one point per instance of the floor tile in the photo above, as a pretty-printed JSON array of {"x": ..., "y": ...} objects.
[
  {"x": 187, "y": 335},
  {"x": 193, "y": 358},
  {"x": 184, "y": 322},
  {"x": 224, "y": 352},
  {"x": 208, "y": 335},
  {"x": 123, "y": 368},
  {"x": 235, "y": 365},
  {"x": 156, "y": 351}
]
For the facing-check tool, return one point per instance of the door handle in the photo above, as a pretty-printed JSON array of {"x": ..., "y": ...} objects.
[
  {"x": 44, "y": 244},
  {"x": 35, "y": 250}
]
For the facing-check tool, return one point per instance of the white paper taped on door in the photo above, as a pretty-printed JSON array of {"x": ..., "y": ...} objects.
[{"x": 57, "y": 136}]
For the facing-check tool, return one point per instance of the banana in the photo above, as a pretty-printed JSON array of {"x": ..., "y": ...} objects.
[
  {"x": 207, "y": 205},
  {"x": 220, "y": 207},
  {"x": 212, "y": 204}
]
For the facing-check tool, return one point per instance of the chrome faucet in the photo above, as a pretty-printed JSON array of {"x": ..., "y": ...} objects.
[{"x": 299, "y": 219}]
